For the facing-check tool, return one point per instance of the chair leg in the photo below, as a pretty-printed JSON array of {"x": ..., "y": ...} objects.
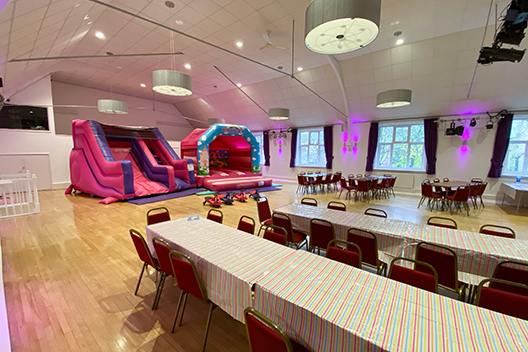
[
  {"x": 212, "y": 306},
  {"x": 177, "y": 310},
  {"x": 158, "y": 291},
  {"x": 183, "y": 308},
  {"x": 140, "y": 277}
]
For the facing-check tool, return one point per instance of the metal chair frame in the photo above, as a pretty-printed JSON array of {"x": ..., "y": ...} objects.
[
  {"x": 270, "y": 324},
  {"x": 416, "y": 262},
  {"x": 156, "y": 209},
  {"x": 440, "y": 224},
  {"x": 213, "y": 211}
]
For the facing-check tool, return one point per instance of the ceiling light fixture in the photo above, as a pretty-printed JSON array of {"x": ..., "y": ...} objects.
[
  {"x": 341, "y": 26},
  {"x": 400, "y": 41},
  {"x": 109, "y": 106},
  {"x": 143, "y": 85},
  {"x": 100, "y": 35},
  {"x": 394, "y": 98},
  {"x": 279, "y": 114},
  {"x": 299, "y": 69},
  {"x": 187, "y": 66},
  {"x": 239, "y": 44},
  {"x": 239, "y": 85}
]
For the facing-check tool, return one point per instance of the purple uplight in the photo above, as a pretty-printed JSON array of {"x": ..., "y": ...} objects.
[
  {"x": 344, "y": 150},
  {"x": 355, "y": 149},
  {"x": 467, "y": 134},
  {"x": 356, "y": 139},
  {"x": 345, "y": 136},
  {"x": 464, "y": 148}
]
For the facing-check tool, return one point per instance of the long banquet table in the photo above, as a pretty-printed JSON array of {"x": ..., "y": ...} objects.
[
  {"x": 329, "y": 306},
  {"x": 515, "y": 191},
  {"x": 477, "y": 254}
]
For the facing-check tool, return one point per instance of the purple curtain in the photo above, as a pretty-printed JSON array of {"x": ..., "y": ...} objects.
[
  {"x": 293, "y": 147},
  {"x": 430, "y": 144},
  {"x": 502, "y": 140},
  {"x": 265, "y": 147},
  {"x": 328, "y": 145},
  {"x": 372, "y": 145}
]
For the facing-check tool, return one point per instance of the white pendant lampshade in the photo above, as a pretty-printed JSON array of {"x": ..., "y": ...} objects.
[
  {"x": 341, "y": 26},
  {"x": 279, "y": 114},
  {"x": 109, "y": 106},
  {"x": 394, "y": 98},
  {"x": 170, "y": 82}
]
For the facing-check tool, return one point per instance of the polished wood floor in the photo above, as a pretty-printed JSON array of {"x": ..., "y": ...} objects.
[{"x": 71, "y": 270}]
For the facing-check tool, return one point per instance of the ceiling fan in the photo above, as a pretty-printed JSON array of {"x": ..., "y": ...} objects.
[{"x": 269, "y": 44}]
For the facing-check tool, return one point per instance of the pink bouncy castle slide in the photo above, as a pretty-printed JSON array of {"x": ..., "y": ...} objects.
[{"x": 120, "y": 162}]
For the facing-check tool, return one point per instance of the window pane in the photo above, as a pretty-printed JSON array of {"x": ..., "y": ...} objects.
[
  {"x": 515, "y": 157},
  {"x": 322, "y": 156},
  {"x": 519, "y": 131},
  {"x": 313, "y": 154},
  {"x": 386, "y": 135},
  {"x": 415, "y": 157},
  {"x": 417, "y": 133},
  {"x": 384, "y": 155},
  {"x": 399, "y": 155},
  {"x": 304, "y": 155},
  {"x": 401, "y": 134},
  {"x": 314, "y": 137},
  {"x": 304, "y": 138}
]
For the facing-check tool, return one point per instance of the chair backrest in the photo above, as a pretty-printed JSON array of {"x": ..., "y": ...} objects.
[
  {"x": 446, "y": 179},
  {"x": 451, "y": 223},
  {"x": 283, "y": 220},
  {"x": 504, "y": 231},
  {"x": 368, "y": 244},
  {"x": 263, "y": 334},
  {"x": 351, "y": 176},
  {"x": 319, "y": 180},
  {"x": 275, "y": 234},
  {"x": 163, "y": 250},
  {"x": 300, "y": 179},
  {"x": 359, "y": 175},
  {"x": 321, "y": 233},
  {"x": 426, "y": 180},
  {"x": 474, "y": 189},
  {"x": 309, "y": 201},
  {"x": 362, "y": 186},
  {"x": 427, "y": 190},
  {"x": 461, "y": 194},
  {"x": 442, "y": 258},
  {"x": 246, "y": 224},
  {"x": 342, "y": 254},
  {"x": 426, "y": 280},
  {"x": 336, "y": 177},
  {"x": 186, "y": 275},
  {"x": 142, "y": 248},
  {"x": 436, "y": 180},
  {"x": 376, "y": 212},
  {"x": 264, "y": 212},
  {"x": 215, "y": 215},
  {"x": 482, "y": 188},
  {"x": 336, "y": 205},
  {"x": 156, "y": 215},
  {"x": 392, "y": 182},
  {"x": 476, "y": 180},
  {"x": 387, "y": 175},
  {"x": 344, "y": 184},
  {"x": 373, "y": 184},
  {"x": 511, "y": 270},
  {"x": 328, "y": 178},
  {"x": 504, "y": 302}
]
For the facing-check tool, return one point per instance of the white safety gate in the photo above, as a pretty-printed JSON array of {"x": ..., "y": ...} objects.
[{"x": 18, "y": 195}]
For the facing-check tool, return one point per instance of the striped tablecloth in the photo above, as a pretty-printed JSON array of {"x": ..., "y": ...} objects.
[
  {"x": 229, "y": 261},
  {"x": 333, "y": 307},
  {"x": 477, "y": 254}
]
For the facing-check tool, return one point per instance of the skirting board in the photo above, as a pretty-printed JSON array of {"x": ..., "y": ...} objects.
[
  {"x": 5, "y": 343},
  {"x": 61, "y": 185}
]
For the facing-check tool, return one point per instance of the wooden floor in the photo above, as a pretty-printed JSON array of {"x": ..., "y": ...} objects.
[{"x": 71, "y": 270}]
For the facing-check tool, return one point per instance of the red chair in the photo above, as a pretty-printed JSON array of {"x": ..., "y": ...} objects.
[
  {"x": 363, "y": 189},
  {"x": 476, "y": 180},
  {"x": 359, "y": 175},
  {"x": 292, "y": 236},
  {"x": 327, "y": 181},
  {"x": 336, "y": 206},
  {"x": 265, "y": 336},
  {"x": 157, "y": 215},
  {"x": 504, "y": 302},
  {"x": 493, "y": 230},
  {"x": 215, "y": 215},
  {"x": 309, "y": 201},
  {"x": 436, "y": 180},
  {"x": 460, "y": 198},
  {"x": 246, "y": 224},
  {"x": 163, "y": 250},
  {"x": 301, "y": 183},
  {"x": 473, "y": 193},
  {"x": 425, "y": 280},
  {"x": 144, "y": 255},
  {"x": 264, "y": 213},
  {"x": 385, "y": 187},
  {"x": 445, "y": 262},
  {"x": 391, "y": 185},
  {"x": 427, "y": 193},
  {"x": 511, "y": 270},
  {"x": 342, "y": 254},
  {"x": 376, "y": 212},
  {"x": 369, "y": 248},
  {"x": 275, "y": 234},
  {"x": 189, "y": 282},
  {"x": 321, "y": 233},
  {"x": 433, "y": 221},
  {"x": 446, "y": 179},
  {"x": 335, "y": 179},
  {"x": 481, "y": 192},
  {"x": 348, "y": 188}
]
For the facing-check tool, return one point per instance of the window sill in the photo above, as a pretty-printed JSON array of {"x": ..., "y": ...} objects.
[
  {"x": 401, "y": 170},
  {"x": 311, "y": 166}
]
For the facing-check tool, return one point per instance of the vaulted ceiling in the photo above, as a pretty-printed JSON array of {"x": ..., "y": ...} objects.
[{"x": 437, "y": 60}]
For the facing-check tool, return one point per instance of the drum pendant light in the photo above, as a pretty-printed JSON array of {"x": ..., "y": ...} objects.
[
  {"x": 109, "y": 106},
  {"x": 341, "y": 26},
  {"x": 279, "y": 114},
  {"x": 171, "y": 82},
  {"x": 394, "y": 98}
]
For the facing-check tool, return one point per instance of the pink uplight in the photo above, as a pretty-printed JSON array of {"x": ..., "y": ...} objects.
[
  {"x": 467, "y": 134},
  {"x": 355, "y": 149},
  {"x": 280, "y": 141},
  {"x": 464, "y": 148},
  {"x": 356, "y": 139},
  {"x": 345, "y": 137}
]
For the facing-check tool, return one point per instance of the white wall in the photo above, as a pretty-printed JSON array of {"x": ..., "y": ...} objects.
[{"x": 453, "y": 161}]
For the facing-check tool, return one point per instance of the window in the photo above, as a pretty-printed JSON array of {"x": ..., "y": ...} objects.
[
  {"x": 260, "y": 140},
  {"x": 21, "y": 117},
  {"x": 310, "y": 148},
  {"x": 516, "y": 163},
  {"x": 401, "y": 147}
]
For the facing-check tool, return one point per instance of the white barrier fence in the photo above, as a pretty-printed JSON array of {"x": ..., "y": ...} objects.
[{"x": 18, "y": 195}]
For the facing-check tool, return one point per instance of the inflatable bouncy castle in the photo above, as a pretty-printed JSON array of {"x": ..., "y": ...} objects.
[
  {"x": 225, "y": 157},
  {"x": 119, "y": 162}
]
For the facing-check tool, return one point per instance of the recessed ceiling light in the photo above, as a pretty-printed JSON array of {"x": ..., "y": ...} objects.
[
  {"x": 99, "y": 35},
  {"x": 187, "y": 66},
  {"x": 119, "y": 68},
  {"x": 239, "y": 85},
  {"x": 239, "y": 44},
  {"x": 399, "y": 41},
  {"x": 299, "y": 69},
  {"x": 143, "y": 85},
  {"x": 179, "y": 22},
  {"x": 86, "y": 17},
  {"x": 89, "y": 23}
]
